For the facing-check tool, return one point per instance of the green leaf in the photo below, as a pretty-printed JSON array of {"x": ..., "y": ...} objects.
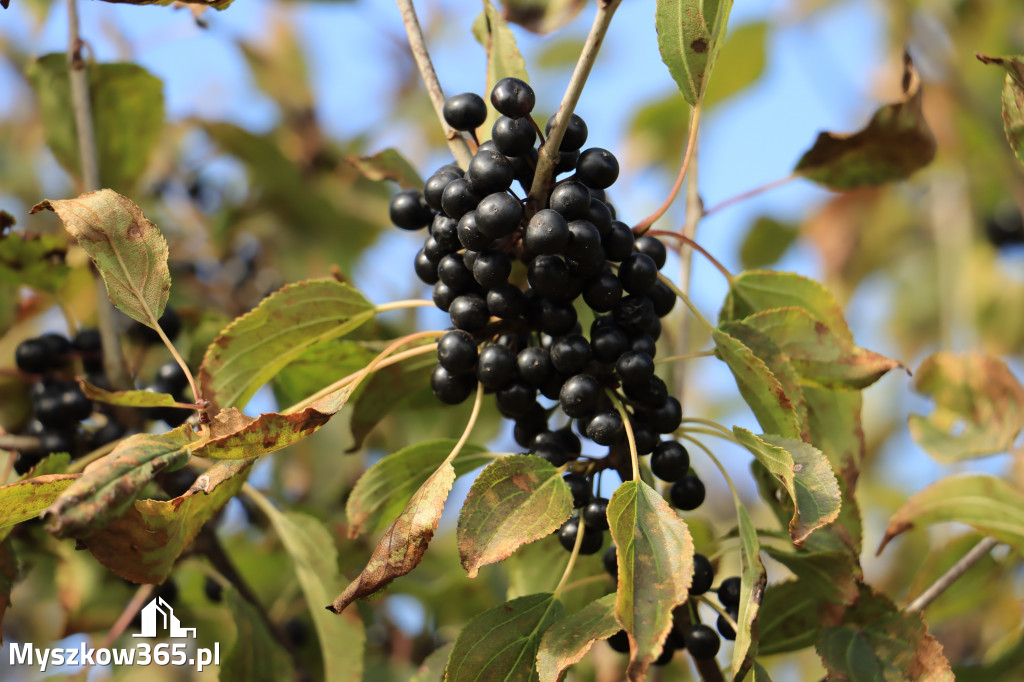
[
  {"x": 144, "y": 544},
  {"x": 25, "y": 499},
  {"x": 313, "y": 551},
  {"x": 817, "y": 352},
  {"x": 514, "y": 501},
  {"x": 690, "y": 34},
  {"x": 895, "y": 144},
  {"x": 989, "y": 505},
  {"x": 740, "y": 63},
  {"x": 318, "y": 367},
  {"x": 405, "y": 541},
  {"x": 388, "y": 390},
  {"x": 35, "y": 261},
  {"x": 1013, "y": 100},
  {"x": 752, "y": 584},
  {"x": 542, "y": 16},
  {"x": 385, "y": 489},
  {"x": 126, "y": 398},
  {"x": 806, "y": 475},
  {"x": 759, "y": 387},
  {"x": 257, "y": 345},
  {"x": 433, "y": 666},
  {"x": 388, "y": 164},
  {"x": 826, "y": 573},
  {"x": 256, "y": 655},
  {"x": 110, "y": 485},
  {"x": 658, "y": 131},
  {"x": 758, "y": 290},
  {"x": 655, "y": 561},
  {"x": 503, "y": 641},
  {"x": 759, "y": 674},
  {"x": 765, "y": 242},
  {"x": 125, "y": 247},
  {"x": 879, "y": 642},
  {"x": 127, "y": 106},
  {"x": 789, "y": 618},
  {"x": 503, "y": 58},
  {"x": 568, "y": 640},
  {"x": 979, "y": 406}
]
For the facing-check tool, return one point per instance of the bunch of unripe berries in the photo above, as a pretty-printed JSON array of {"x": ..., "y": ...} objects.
[{"x": 59, "y": 407}]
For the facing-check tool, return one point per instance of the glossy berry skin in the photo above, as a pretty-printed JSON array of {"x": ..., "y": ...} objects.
[
  {"x": 453, "y": 272},
  {"x": 570, "y": 354},
  {"x": 584, "y": 243},
  {"x": 593, "y": 538},
  {"x": 597, "y": 168},
  {"x": 665, "y": 657},
  {"x": 670, "y": 461},
  {"x": 546, "y": 233},
  {"x": 553, "y": 453},
  {"x": 556, "y": 318},
  {"x": 445, "y": 232},
  {"x": 516, "y": 400},
  {"x": 644, "y": 436},
  {"x": 650, "y": 393},
  {"x": 606, "y": 428},
  {"x": 580, "y": 395},
  {"x": 595, "y": 514},
  {"x": 724, "y": 628},
  {"x": 470, "y": 235},
  {"x": 451, "y": 389},
  {"x": 492, "y": 269},
  {"x": 571, "y": 199},
  {"x": 662, "y": 297},
  {"x": 409, "y": 210},
  {"x": 434, "y": 188},
  {"x": 652, "y": 247},
  {"x": 456, "y": 352},
  {"x": 618, "y": 242},
  {"x": 667, "y": 417},
  {"x": 31, "y": 356},
  {"x": 635, "y": 314},
  {"x": 466, "y": 111},
  {"x": 580, "y": 489},
  {"x": 548, "y": 275},
  {"x": 603, "y": 292},
  {"x": 609, "y": 343},
  {"x": 513, "y": 136},
  {"x": 505, "y": 301},
  {"x": 703, "y": 575},
  {"x": 575, "y": 134},
  {"x": 702, "y": 642},
  {"x": 513, "y": 97},
  {"x": 469, "y": 312},
  {"x": 498, "y": 215},
  {"x": 729, "y": 592},
  {"x": 459, "y": 198},
  {"x": 496, "y": 367},
  {"x": 490, "y": 171},
  {"x": 619, "y": 642},
  {"x": 443, "y": 296},
  {"x": 610, "y": 559},
  {"x": 634, "y": 368},
  {"x": 687, "y": 493},
  {"x": 638, "y": 274},
  {"x": 534, "y": 365},
  {"x": 75, "y": 406},
  {"x": 599, "y": 214}
]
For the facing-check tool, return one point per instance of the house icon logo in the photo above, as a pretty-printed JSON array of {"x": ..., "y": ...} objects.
[{"x": 158, "y": 613}]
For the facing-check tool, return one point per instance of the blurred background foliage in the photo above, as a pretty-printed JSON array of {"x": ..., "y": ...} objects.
[{"x": 260, "y": 159}]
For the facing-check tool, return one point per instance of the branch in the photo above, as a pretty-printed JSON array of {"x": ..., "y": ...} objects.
[
  {"x": 417, "y": 43},
  {"x": 9, "y": 441},
  {"x": 952, "y": 575},
  {"x": 548, "y": 158},
  {"x": 750, "y": 193}
]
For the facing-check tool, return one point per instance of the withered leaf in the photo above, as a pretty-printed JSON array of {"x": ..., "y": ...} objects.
[
  {"x": 568, "y": 640},
  {"x": 1013, "y": 100}
]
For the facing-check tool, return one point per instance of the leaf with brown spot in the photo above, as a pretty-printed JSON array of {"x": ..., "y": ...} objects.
[
  {"x": 267, "y": 433},
  {"x": 655, "y": 561},
  {"x": 568, "y": 640},
  {"x": 805, "y": 474},
  {"x": 690, "y": 34},
  {"x": 1013, "y": 100},
  {"x": 405, "y": 541},
  {"x": 258, "y": 345},
  {"x": 25, "y": 499},
  {"x": 388, "y": 164},
  {"x": 125, "y": 247},
  {"x": 126, "y": 398},
  {"x": 143, "y": 544},
  {"x": 818, "y": 353},
  {"x": 979, "y": 406},
  {"x": 987, "y": 504},
  {"x": 895, "y": 144},
  {"x": 514, "y": 501},
  {"x": 109, "y": 485}
]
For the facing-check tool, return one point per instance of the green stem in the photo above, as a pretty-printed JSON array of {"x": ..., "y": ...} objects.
[
  {"x": 685, "y": 356},
  {"x": 725, "y": 474},
  {"x": 403, "y": 305},
  {"x": 633, "y": 458},
  {"x": 686, "y": 299},
  {"x": 572, "y": 557},
  {"x": 470, "y": 423},
  {"x": 721, "y": 611}
]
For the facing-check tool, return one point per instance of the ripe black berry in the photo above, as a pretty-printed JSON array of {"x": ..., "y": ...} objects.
[
  {"x": 546, "y": 233},
  {"x": 599, "y": 214},
  {"x": 634, "y": 314},
  {"x": 597, "y": 168},
  {"x": 638, "y": 273},
  {"x": 619, "y": 642},
  {"x": 470, "y": 235},
  {"x": 653, "y": 247},
  {"x": 548, "y": 275},
  {"x": 434, "y": 188},
  {"x": 74, "y": 405},
  {"x": 456, "y": 351},
  {"x": 469, "y": 312},
  {"x": 513, "y": 98},
  {"x": 467, "y": 111},
  {"x": 595, "y": 514},
  {"x": 703, "y": 575},
  {"x": 443, "y": 296},
  {"x": 575, "y": 134},
  {"x": 449, "y": 388},
  {"x": 496, "y": 367},
  {"x": 584, "y": 242},
  {"x": 644, "y": 436},
  {"x": 32, "y": 357},
  {"x": 606, "y": 428},
  {"x": 634, "y": 368},
  {"x": 490, "y": 171},
  {"x": 492, "y": 269},
  {"x": 610, "y": 559},
  {"x": 670, "y": 461},
  {"x": 580, "y": 395},
  {"x": 409, "y": 210},
  {"x": 667, "y": 417},
  {"x": 445, "y": 232},
  {"x": 651, "y": 393},
  {"x": 702, "y": 642},
  {"x": 729, "y": 592},
  {"x": 608, "y": 343},
  {"x": 453, "y": 272},
  {"x": 513, "y": 136},
  {"x": 516, "y": 400},
  {"x": 459, "y": 198},
  {"x": 724, "y": 628},
  {"x": 552, "y": 452},
  {"x": 580, "y": 488},
  {"x": 593, "y": 538},
  {"x": 534, "y": 365},
  {"x": 662, "y": 297},
  {"x": 571, "y": 199},
  {"x": 687, "y": 493},
  {"x": 433, "y": 250},
  {"x": 618, "y": 242},
  {"x": 570, "y": 354},
  {"x": 505, "y": 301},
  {"x": 498, "y": 215},
  {"x": 643, "y": 343},
  {"x": 602, "y": 292}
]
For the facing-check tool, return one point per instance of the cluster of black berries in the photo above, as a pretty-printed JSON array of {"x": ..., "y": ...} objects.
[
  {"x": 58, "y": 405},
  {"x": 700, "y": 640}
]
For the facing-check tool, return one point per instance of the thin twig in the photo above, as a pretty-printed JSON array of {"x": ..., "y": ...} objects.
[
  {"x": 688, "y": 158},
  {"x": 696, "y": 247},
  {"x": 418, "y": 44},
  {"x": 548, "y": 158},
  {"x": 952, "y": 575},
  {"x": 750, "y": 193},
  {"x": 694, "y": 211},
  {"x": 10, "y": 441},
  {"x": 125, "y": 619}
]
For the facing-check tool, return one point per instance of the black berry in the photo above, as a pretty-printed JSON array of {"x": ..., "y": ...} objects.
[
  {"x": 467, "y": 111},
  {"x": 687, "y": 493},
  {"x": 513, "y": 98},
  {"x": 670, "y": 461}
]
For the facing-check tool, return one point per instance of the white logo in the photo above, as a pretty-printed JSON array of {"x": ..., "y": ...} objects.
[{"x": 158, "y": 607}]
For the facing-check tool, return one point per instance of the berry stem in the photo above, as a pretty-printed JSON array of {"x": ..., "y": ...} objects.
[
  {"x": 572, "y": 557},
  {"x": 686, "y": 299},
  {"x": 750, "y": 193},
  {"x": 691, "y": 146},
  {"x": 977, "y": 552},
  {"x": 720, "y": 611},
  {"x": 403, "y": 305},
  {"x": 717, "y": 463},
  {"x": 584, "y": 581},
  {"x": 548, "y": 158},
  {"x": 685, "y": 356},
  {"x": 470, "y": 423},
  {"x": 713, "y": 424},
  {"x": 633, "y": 458},
  {"x": 696, "y": 247},
  {"x": 418, "y": 45}
]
